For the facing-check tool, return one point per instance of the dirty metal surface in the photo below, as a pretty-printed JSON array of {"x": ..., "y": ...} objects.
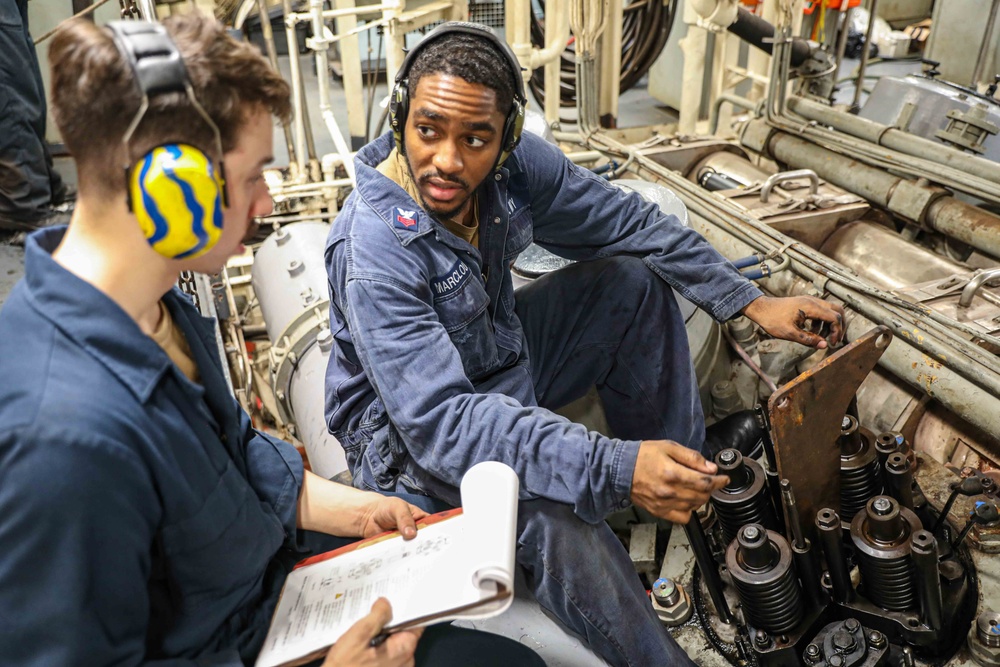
[{"x": 806, "y": 416}]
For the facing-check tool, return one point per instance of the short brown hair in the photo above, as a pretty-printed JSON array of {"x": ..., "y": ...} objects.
[{"x": 95, "y": 96}]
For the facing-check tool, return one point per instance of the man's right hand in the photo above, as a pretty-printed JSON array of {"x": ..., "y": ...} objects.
[
  {"x": 354, "y": 647},
  {"x": 671, "y": 480}
]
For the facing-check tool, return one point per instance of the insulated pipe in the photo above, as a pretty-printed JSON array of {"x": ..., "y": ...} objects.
[
  {"x": 320, "y": 45},
  {"x": 754, "y": 31},
  {"x": 297, "y": 93},
  {"x": 894, "y": 138},
  {"x": 886, "y": 259},
  {"x": 984, "y": 48},
  {"x": 918, "y": 203},
  {"x": 272, "y": 56}
]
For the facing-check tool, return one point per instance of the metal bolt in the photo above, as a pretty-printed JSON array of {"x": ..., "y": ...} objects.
[
  {"x": 762, "y": 639},
  {"x": 876, "y": 639},
  {"x": 851, "y": 624},
  {"x": 845, "y": 424},
  {"x": 727, "y": 456},
  {"x": 836, "y": 661},
  {"x": 843, "y": 641},
  {"x": 812, "y": 652},
  {"x": 751, "y": 533},
  {"x": 882, "y": 506}
]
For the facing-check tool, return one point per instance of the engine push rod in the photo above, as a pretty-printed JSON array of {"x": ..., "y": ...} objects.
[{"x": 703, "y": 557}]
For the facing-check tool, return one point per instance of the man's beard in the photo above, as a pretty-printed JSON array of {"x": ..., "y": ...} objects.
[{"x": 437, "y": 214}]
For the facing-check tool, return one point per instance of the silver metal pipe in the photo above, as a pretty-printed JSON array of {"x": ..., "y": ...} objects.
[
  {"x": 920, "y": 204},
  {"x": 298, "y": 97},
  {"x": 865, "y": 50},
  {"x": 894, "y": 138},
  {"x": 842, "y": 41},
  {"x": 272, "y": 56},
  {"x": 907, "y": 362},
  {"x": 928, "y": 332},
  {"x": 984, "y": 48},
  {"x": 880, "y": 255},
  {"x": 724, "y": 98}
]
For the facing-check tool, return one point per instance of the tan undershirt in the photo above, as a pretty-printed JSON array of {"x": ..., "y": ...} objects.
[
  {"x": 172, "y": 340},
  {"x": 396, "y": 171}
]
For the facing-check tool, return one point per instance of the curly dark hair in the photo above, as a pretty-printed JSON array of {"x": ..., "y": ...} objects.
[{"x": 474, "y": 59}]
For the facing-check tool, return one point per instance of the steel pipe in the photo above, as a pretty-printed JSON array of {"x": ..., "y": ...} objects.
[
  {"x": 865, "y": 51},
  {"x": 894, "y": 138},
  {"x": 920, "y": 204}
]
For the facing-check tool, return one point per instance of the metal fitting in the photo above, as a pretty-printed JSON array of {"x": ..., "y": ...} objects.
[
  {"x": 762, "y": 639},
  {"x": 679, "y": 609},
  {"x": 984, "y": 639},
  {"x": 876, "y": 639}
]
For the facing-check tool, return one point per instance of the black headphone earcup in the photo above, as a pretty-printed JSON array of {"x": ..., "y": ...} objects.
[{"x": 398, "y": 108}]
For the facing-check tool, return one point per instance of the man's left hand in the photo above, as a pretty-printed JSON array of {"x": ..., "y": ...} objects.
[
  {"x": 385, "y": 513},
  {"x": 790, "y": 318}
]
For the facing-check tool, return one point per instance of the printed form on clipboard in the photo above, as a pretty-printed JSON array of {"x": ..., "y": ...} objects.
[{"x": 460, "y": 565}]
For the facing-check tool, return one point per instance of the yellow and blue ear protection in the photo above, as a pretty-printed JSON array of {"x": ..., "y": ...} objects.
[
  {"x": 175, "y": 190},
  {"x": 399, "y": 102}
]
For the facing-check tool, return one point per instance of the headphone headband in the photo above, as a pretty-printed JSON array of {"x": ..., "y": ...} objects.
[
  {"x": 476, "y": 30},
  {"x": 174, "y": 190}
]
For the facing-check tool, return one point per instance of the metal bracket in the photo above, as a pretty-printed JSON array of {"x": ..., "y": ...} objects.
[{"x": 806, "y": 416}]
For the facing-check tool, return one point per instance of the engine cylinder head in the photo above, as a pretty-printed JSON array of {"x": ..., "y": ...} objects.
[
  {"x": 860, "y": 472},
  {"x": 881, "y": 536},
  {"x": 760, "y": 564},
  {"x": 744, "y": 500}
]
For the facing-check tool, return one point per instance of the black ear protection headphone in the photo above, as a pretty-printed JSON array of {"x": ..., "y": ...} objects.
[
  {"x": 399, "y": 102},
  {"x": 176, "y": 191}
]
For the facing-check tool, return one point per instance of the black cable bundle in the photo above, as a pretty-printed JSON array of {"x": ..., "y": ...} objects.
[{"x": 645, "y": 28}]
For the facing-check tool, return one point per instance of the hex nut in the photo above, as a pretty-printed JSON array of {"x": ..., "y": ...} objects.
[{"x": 676, "y": 614}]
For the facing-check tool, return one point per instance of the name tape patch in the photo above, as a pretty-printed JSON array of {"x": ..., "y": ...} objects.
[
  {"x": 404, "y": 219},
  {"x": 456, "y": 276}
]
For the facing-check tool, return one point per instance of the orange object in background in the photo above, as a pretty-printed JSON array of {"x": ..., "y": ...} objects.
[{"x": 835, "y": 5}]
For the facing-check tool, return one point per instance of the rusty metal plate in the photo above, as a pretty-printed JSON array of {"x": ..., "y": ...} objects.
[{"x": 806, "y": 416}]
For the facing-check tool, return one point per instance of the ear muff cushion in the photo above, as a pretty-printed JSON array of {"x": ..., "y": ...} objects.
[{"x": 176, "y": 196}]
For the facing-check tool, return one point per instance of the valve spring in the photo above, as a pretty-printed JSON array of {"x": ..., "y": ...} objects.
[
  {"x": 857, "y": 486},
  {"x": 881, "y": 535},
  {"x": 744, "y": 500},
  {"x": 860, "y": 472},
  {"x": 888, "y": 582},
  {"x": 765, "y": 582},
  {"x": 733, "y": 516},
  {"x": 776, "y": 607}
]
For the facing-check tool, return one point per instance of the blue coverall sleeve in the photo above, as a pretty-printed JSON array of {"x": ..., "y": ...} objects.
[
  {"x": 77, "y": 521},
  {"x": 580, "y": 216},
  {"x": 274, "y": 471},
  {"x": 448, "y": 427}
]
